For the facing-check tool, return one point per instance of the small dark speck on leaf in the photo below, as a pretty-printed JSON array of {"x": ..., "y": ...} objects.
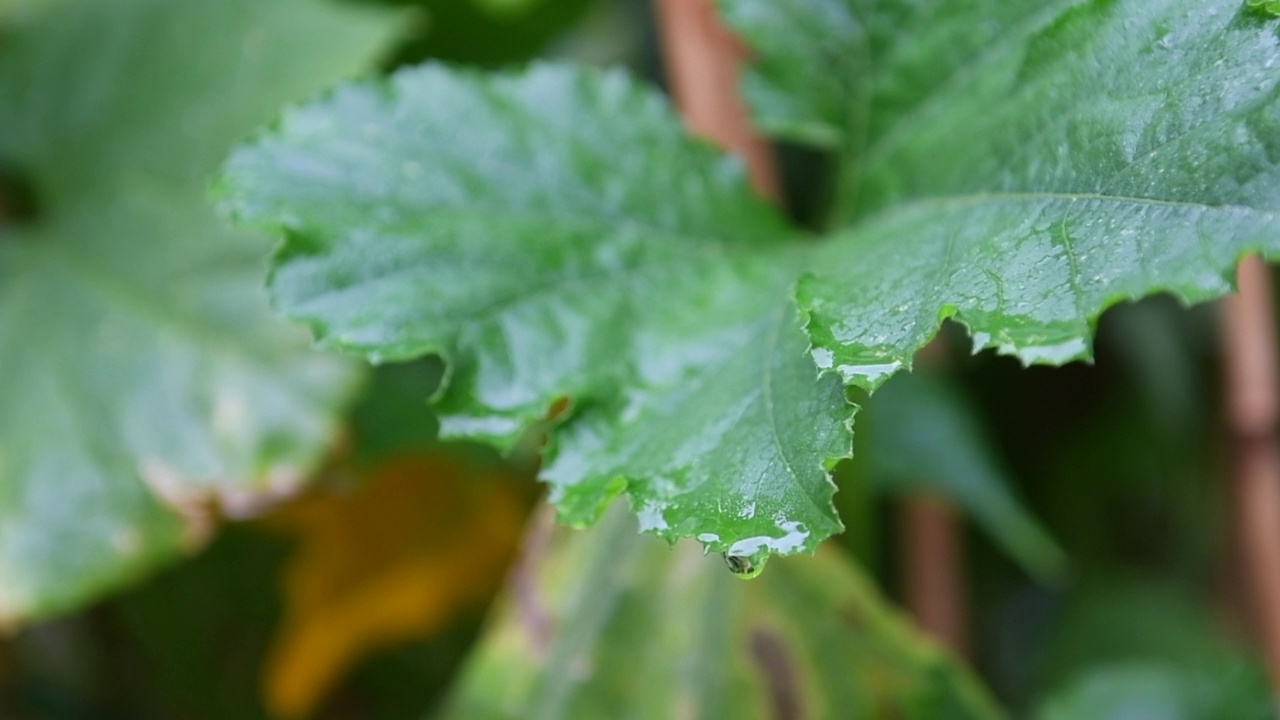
[{"x": 853, "y": 615}]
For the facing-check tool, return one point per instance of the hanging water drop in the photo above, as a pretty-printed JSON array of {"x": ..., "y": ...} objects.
[{"x": 742, "y": 566}]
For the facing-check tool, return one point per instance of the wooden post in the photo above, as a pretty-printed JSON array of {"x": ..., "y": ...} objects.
[
  {"x": 1253, "y": 407},
  {"x": 931, "y": 541},
  {"x": 932, "y": 565},
  {"x": 702, "y": 61}
]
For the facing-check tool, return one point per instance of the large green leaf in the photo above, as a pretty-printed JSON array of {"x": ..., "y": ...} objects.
[
  {"x": 10, "y": 8},
  {"x": 1016, "y": 166},
  {"x": 516, "y": 235},
  {"x": 1020, "y": 166},
  {"x": 143, "y": 377},
  {"x": 588, "y": 632}
]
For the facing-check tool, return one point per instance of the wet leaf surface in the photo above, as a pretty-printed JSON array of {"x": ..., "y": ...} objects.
[
  {"x": 512, "y": 237},
  {"x": 1017, "y": 167}
]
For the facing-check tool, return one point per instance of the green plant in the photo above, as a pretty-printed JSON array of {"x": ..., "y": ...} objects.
[
  {"x": 607, "y": 293},
  {"x": 554, "y": 234}
]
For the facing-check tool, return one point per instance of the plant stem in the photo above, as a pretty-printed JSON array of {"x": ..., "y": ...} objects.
[
  {"x": 933, "y": 552},
  {"x": 535, "y": 618},
  {"x": 702, "y": 59},
  {"x": 1253, "y": 408},
  {"x": 933, "y": 582}
]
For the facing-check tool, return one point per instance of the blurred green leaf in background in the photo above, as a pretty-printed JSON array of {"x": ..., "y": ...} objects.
[
  {"x": 918, "y": 434},
  {"x": 146, "y": 385},
  {"x": 607, "y": 622},
  {"x": 484, "y": 32}
]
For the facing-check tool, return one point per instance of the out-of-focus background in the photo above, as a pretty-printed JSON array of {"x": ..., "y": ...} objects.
[{"x": 1098, "y": 566}]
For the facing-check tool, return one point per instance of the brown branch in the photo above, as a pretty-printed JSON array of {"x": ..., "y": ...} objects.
[
  {"x": 702, "y": 62},
  {"x": 933, "y": 552},
  {"x": 1253, "y": 408},
  {"x": 932, "y": 565}
]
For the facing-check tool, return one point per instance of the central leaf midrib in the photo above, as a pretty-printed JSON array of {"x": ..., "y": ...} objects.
[
  {"x": 764, "y": 338},
  {"x": 770, "y": 352}
]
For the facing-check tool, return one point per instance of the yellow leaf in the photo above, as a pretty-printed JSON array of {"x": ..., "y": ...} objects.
[{"x": 423, "y": 537}]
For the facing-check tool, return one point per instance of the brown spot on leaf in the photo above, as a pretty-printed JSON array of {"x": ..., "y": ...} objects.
[
  {"x": 852, "y": 614},
  {"x": 200, "y": 504},
  {"x": 193, "y": 504},
  {"x": 241, "y": 503},
  {"x": 559, "y": 409},
  {"x": 770, "y": 654}
]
